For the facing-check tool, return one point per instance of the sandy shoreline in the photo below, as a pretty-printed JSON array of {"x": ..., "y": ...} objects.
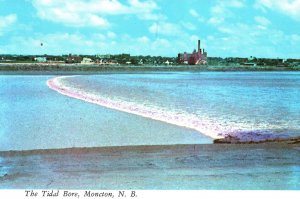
[{"x": 273, "y": 166}]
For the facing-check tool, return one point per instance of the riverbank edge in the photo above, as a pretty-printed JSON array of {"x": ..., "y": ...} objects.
[
  {"x": 96, "y": 68},
  {"x": 234, "y": 140},
  {"x": 148, "y": 148}
]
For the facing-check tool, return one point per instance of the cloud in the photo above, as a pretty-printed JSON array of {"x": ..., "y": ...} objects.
[
  {"x": 223, "y": 9},
  {"x": 194, "y": 38},
  {"x": 146, "y": 5},
  {"x": 188, "y": 25},
  {"x": 145, "y": 10},
  {"x": 92, "y": 13},
  {"x": 225, "y": 29},
  {"x": 290, "y": 8},
  {"x": 262, "y": 20},
  {"x": 244, "y": 40},
  {"x": 111, "y": 35},
  {"x": 59, "y": 43},
  {"x": 295, "y": 38},
  {"x": 161, "y": 43},
  {"x": 6, "y": 22},
  {"x": 76, "y": 43},
  {"x": 165, "y": 28},
  {"x": 196, "y": 15},
  {"x": 259, "y": 38},
  {"x": 71, "y": 14},
  {"x": 236, "y": 3},
  {"x": 53, "y": 43},
  {"x": 216, "y": 20},
  {"x": 143, "y": 39}
]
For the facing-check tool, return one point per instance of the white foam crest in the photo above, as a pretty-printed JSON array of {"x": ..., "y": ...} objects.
[{"x": 204, "y": 126}]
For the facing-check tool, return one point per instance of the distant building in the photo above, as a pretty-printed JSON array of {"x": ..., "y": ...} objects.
[
  {"x": 167, "y": 62},
  {"x": 250, "y": 62},
  {"x": 103, "y": 56},
  {"x": 197, "y": 57},
  {"x": 40, "y": 59},
  {"x": 87, "y": 60},
  {"x": 73, "y": 59}
]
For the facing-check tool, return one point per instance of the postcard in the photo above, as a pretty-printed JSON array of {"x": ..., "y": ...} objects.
[{"x": 114, "y": 98}]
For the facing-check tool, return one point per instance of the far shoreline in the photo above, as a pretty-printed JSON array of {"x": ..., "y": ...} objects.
[{"x": 66, "y": 69}]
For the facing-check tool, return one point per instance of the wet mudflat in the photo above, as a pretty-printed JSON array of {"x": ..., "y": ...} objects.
[{"x": 274, "y": 166}]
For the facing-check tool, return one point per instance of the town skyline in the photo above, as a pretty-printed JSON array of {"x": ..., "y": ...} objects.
[{"x": 235, "y": 28}]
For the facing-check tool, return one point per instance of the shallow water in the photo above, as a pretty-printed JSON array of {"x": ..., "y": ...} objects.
[
  {"x": 33, "y": 116},
  {"x": 250, "y": 105}
]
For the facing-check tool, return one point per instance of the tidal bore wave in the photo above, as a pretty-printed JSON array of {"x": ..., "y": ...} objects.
[{"x": 206, "y": 126}]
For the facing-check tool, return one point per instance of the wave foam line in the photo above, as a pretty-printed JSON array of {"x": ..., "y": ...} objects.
[{"x": 207, "y": 128}]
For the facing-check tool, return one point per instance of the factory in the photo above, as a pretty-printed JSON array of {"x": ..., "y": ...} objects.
[{"x": 197, "y": 57}]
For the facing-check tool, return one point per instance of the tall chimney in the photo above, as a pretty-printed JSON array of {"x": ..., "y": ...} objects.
[{"x": 198, "y": 45}]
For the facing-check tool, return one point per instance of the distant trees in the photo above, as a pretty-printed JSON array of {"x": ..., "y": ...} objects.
[{"x": 152, "y": 60}]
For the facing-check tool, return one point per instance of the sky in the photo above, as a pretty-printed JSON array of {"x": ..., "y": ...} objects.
[{"x": 226, "y": 28}]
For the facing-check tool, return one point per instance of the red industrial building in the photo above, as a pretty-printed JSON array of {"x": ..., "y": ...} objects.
[{"x": 197, "y": 57}]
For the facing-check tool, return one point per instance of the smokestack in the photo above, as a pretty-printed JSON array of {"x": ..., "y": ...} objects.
[{"x": 198, "y": 45}]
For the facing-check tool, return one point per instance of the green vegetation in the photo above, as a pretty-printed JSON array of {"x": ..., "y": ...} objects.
[{"x": 126, "y": 62}]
